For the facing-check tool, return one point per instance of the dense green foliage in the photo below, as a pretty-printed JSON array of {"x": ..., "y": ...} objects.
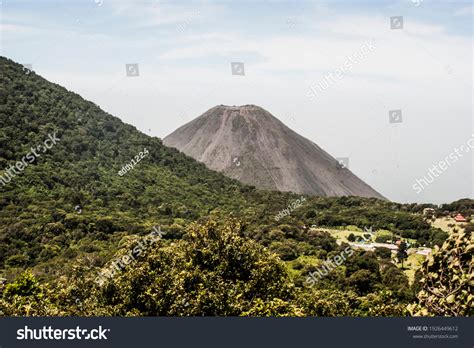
[
  {"x": 463, "y": 206},
  {"x": 69, "y": 214},
  {"x": 447, "y": 279},
  {"x": 213, "y": 270}
]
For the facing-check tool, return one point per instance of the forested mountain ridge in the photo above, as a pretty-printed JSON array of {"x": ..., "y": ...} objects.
[
  {"x": 81, "y": 170},
  {"x": 70, "y": 209}
]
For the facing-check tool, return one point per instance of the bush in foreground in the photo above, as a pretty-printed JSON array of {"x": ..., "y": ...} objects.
[{"x": 447, "y": 279}]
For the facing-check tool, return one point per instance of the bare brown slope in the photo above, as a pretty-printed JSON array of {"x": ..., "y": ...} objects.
[{"x": 249, "y": 144}]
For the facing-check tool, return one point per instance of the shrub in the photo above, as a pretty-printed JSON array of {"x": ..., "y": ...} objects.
[
  {"x": 212, "y": 271},
  {"x": 447, "y": 279},
  {"x": 383, "y": 253}
]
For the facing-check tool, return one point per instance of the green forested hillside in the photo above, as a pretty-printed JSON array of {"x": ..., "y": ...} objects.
[{"x": 69, "y": 213}]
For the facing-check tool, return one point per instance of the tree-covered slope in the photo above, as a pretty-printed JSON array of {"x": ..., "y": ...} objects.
[
  {"x": 75, "y": 185},
  {"x": 69, "y": 209}
]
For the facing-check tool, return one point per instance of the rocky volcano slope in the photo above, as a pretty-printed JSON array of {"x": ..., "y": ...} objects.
[{"x": 249, "y": 144}]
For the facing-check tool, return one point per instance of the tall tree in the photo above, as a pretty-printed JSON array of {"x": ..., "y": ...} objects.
[{"x": 402, "y": 252}]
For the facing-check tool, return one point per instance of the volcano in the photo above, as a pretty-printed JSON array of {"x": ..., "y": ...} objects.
[{"x": 249, "y": 144}]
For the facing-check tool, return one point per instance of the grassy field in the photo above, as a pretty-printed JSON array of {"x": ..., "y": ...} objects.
[
  {"x": 442, "y": 223},
  {"x": 411, "y": 265},
  {"x": 342, "y": 234}
]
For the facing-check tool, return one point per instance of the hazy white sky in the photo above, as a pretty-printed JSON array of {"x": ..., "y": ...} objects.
[{"x": 184, "y": 52}]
